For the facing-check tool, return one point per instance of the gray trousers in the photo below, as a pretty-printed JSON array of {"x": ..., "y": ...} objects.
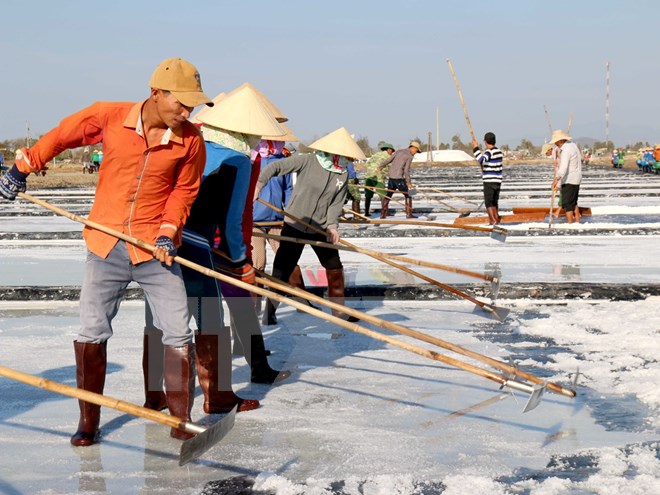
[{"x": 103, "y": 288}]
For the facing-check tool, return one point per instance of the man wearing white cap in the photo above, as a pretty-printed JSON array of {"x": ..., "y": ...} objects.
[
  {"x": 568, "y": 174},
  {"x": 153, "y": 163},
  {"x": 318, "y": 197}
]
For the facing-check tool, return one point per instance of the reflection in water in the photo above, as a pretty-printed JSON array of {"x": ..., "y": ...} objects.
[
  {"x": 153, "y": 464},
  {"x": 390, "y": 276},
  {"x": 493, "y": 269},
  {"x": 570, "y": 272},
  {"x": 92, "y": 479},
  {"x": 314, "y": 276}
]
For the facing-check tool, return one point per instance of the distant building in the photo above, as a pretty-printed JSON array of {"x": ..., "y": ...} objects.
[{"x": 443, "y": 156}]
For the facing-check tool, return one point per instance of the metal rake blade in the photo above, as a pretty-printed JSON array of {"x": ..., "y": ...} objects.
[{"x": 200, "y": 443}]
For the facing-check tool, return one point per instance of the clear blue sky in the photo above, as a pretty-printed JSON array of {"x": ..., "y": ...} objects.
[{"x": 377, "y": 68}]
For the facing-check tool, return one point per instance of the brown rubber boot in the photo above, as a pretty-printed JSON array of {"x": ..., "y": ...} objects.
[
  {"x": 336, "y": 292},
  {"x": 355, "y": 206},
  {"x": 216, "y": 401},
  {"x": 152, "y": 370},
  {"x": 91, "y": 364},
  {"x": 180, "y": 384},
  {"x": 409, "y": 208},
  {"x": 296, "y": 280},
  {"x": 384, "y": 205}
]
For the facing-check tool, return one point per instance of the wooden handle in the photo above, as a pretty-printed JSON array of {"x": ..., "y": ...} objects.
[
  {"x": 269, "y": 281},
  {"x": 460, "y": 95},
  {"x": 99, "y": 400},
  {"x": 404, "y": 259}
]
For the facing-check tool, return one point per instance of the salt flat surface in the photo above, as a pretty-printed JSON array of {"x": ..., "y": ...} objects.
[{"x": 359, "y": 416}]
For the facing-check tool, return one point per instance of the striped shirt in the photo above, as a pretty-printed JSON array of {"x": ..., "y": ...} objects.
[{"x": 491, "y": 164}]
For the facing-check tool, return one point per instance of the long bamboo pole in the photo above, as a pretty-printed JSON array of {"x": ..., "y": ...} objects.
[
  {"x": 460, "y": 95},
  {"x": 269, "y": 281},
  {"x": 269, "y": 224},
  {"x": 502, "y": 380},
  {"x": 376, "y": 189},
  {"x": 547, "y": 118},
  {"x": 552, "y": 206},
  {"x": 451, "y": 207},
  {"x": 404, "y": 259},
  {"x": 498, "y": 313},
  {"x": 435, "y": 189},
  {"x": 426, "y": 223},
  {"x": 101, "y": 400}
]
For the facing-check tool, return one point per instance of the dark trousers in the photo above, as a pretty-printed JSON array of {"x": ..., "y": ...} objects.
[
  {"x": 398, "y": 185},
  {"x": 492, "y": 194},
  {"x": 288, "y": 254}
]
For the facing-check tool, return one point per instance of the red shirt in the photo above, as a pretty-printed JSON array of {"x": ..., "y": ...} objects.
[{"x": 142, "y": 191}]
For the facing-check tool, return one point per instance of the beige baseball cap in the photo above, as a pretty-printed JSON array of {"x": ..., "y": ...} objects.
[
  {"x": 181, "y": 78},
  {"x": 416, "y": 145}
]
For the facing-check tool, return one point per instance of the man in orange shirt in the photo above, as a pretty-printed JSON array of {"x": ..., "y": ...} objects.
[{"x": 152, "y": 168}]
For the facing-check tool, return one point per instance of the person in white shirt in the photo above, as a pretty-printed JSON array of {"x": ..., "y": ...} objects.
[{"x": 568, "y": 174}]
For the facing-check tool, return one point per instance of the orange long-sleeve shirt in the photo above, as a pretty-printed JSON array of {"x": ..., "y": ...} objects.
[{"x": 142, "y": 191}]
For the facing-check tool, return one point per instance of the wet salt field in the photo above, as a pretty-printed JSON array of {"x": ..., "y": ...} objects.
[{"x": 358, "y": 415}]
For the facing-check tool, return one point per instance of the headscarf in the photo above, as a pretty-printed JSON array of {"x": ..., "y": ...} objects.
[
  {"x": 242, "y": 143},
  {"x": 332, "y": 163}
]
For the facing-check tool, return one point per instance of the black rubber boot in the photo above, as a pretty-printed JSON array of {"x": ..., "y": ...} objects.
[{"x": 261, "y": 370}]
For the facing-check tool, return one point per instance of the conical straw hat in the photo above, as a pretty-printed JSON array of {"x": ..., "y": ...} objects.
[
  {"x": 545, "y": 148},
  {"x": 242, "y": 111},
  {"x": 195, "y": 118},
  {"x": 339, "y": 142},
  {"x": 289, "y": 136},
  {"x": 274, "y": 111}
]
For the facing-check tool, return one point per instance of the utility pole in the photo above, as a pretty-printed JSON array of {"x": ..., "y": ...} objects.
[
  {"x": 607, "y": 104},
  {"x": 429, "y": 153},
  {"x": 27, "y": 134},
  {"x": 437, "y": 128},
  {"x": 547, "y": 117}
]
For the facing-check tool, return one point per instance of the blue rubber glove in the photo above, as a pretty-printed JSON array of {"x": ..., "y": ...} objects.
[
  {"x": 12, "y": 183},
  {"x": 166, "y": 243}
]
